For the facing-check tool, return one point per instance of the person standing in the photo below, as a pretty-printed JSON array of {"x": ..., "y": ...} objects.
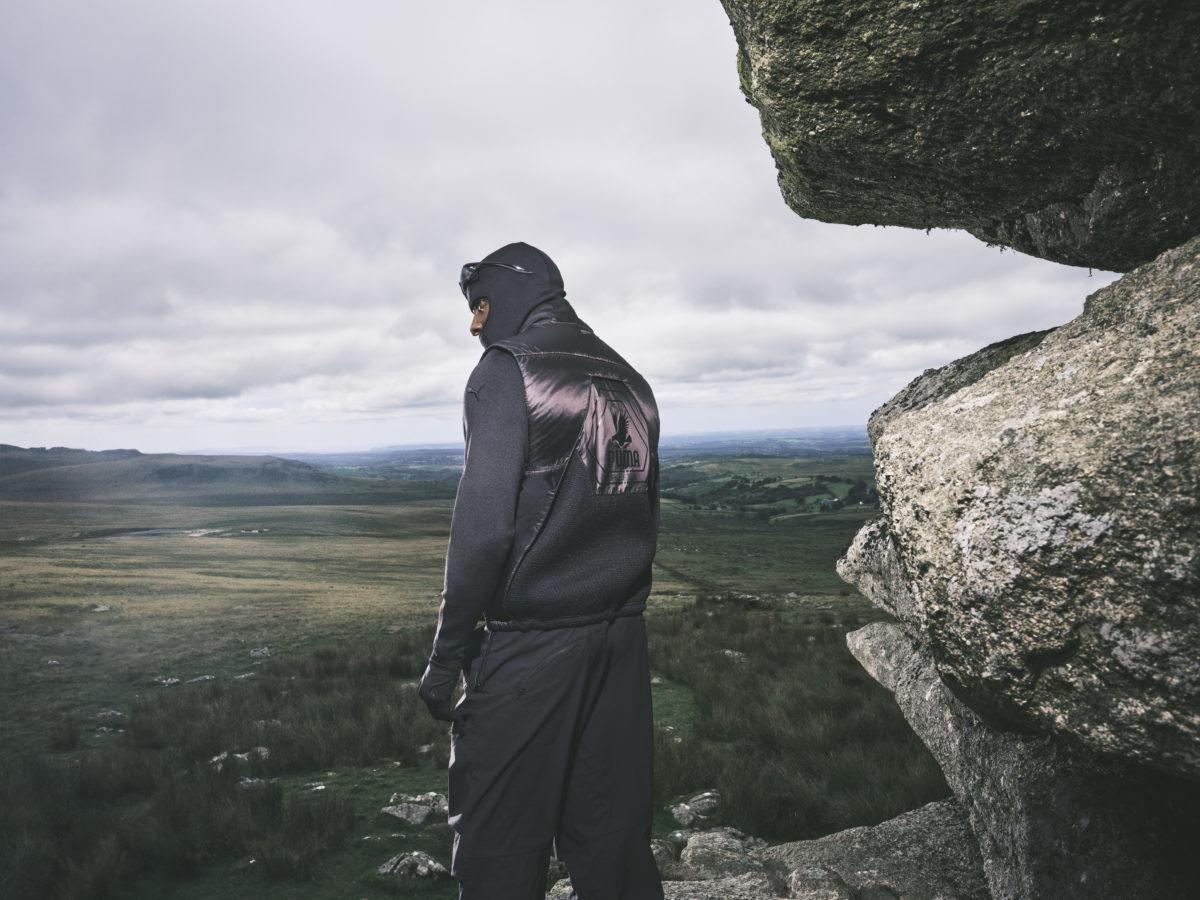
[{"x": 552, "y": 541}]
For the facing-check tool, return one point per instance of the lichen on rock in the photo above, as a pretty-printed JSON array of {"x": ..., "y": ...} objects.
[
  {"x": 1040, "y": 522},
  {"x": 1066, "y": 130}
]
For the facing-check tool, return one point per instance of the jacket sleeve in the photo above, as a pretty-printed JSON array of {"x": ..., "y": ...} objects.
[{"x": 483, "y": 524}]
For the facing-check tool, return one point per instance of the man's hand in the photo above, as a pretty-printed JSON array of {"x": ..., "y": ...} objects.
[{"x": 437, "y": 687}]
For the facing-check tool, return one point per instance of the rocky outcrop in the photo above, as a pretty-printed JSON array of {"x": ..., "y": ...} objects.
[
  {"x": 1040, "y": 526},
  {"x": 1053, "y": 818},
  {"x": 1066, "y": 130},
  {"x": 929, "y": 852}
]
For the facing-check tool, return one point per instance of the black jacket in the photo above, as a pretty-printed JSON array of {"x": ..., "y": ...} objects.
[{"x": 556, "y": 518}]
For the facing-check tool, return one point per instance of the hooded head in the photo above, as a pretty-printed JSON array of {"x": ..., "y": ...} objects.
[{"x": 512, "y": 296}]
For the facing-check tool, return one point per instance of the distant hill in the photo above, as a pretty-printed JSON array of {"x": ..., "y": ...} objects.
[
  {"x": 25, "y": 459},
  {"x": 64, "y": 474}
]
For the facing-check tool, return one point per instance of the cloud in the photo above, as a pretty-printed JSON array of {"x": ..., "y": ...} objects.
[{"x": 230, "y": 224}]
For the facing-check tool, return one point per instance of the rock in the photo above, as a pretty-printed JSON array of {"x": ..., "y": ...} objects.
[
  {"x": 666, "y": 853},
  {"x": 260, "y": 653},
  {"x": 414, "y": 864},
  {"x": 735, "y": 655},
  {"x": 717, "y": 853},
  {"x": 244, "y": 676},
  {"x": 1065, "y": 130},
  {"x": 748, "y": 886},
  {"x": 1053, "y": 819},
  {"x": 417, "y": 809},
  {"x": 200, "y": 678},
  {"x": 929, "y": 852},
  {"x": 1039, "y": 521},
  {"x": 111, "y": 715},
  {"x": 166, "y": 680},
  {"x": 218, "y": 761},
  {"x": 697, "y": 809},
  {"x": 247, "y": 783},
  {"x": 100, "y": 607}
]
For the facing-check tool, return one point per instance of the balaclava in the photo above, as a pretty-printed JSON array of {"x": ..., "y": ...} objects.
[{"x": 513, "y": 295}]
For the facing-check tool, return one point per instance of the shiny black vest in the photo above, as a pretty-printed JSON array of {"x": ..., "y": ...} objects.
[{"x": 587, "y": 515}]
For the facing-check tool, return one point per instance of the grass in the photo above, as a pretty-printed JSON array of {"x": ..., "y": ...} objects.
[{"x": 829, "y": 746}]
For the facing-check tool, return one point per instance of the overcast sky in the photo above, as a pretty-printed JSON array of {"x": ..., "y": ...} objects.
[{"x": 239, "y": 225}]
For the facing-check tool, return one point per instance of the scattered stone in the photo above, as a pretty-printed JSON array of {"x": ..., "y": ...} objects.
[
  {"x": 414, "y": 864},
  {"x": 200, "y": 678},
  {"x": 417, "y": 809},
  {"x": 666, "y": 853},
  {"x": 268, "y": 723},
  {"x": 218, "y": 761},
  {"x": 111, "y": 715},
  {"x": 656, "y": 679},
  {"x": 260, "y": 653},
  {"x": 101, "y": 607},
  {"x": 697, "y": 809},
  {"x": 105, "y": 729},
  {"x": 679, "y": 838},
  {"x": 247, "y": 783},
  {"x": 717, "y": 853},
  {"x": 166, "y": 680},
  {"x": 735, "y": 654},
  {"x": 244, "y": 676},
  {"x": 425, "y": 748},
  {"x": 929, "y": 852}
]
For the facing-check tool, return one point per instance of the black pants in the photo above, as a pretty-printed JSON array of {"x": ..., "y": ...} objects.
[{"x": 555, "y": 750}]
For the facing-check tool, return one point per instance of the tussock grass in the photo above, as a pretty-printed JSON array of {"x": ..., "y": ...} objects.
[
  {"x": 799, "y": 740},
  {"x": 82, "y": 825}
]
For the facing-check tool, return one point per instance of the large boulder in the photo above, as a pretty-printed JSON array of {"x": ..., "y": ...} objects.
[
  {"x": 1052, "y": 818},
  {"x": 1066, "y": 130},
  {"x": 1040, "y": 529}
]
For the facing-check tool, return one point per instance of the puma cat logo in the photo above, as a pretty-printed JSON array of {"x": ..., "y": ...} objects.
[{"x": 619, "y": 454}]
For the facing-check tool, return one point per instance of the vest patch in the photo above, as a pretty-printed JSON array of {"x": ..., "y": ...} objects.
[{"x": 616, "y": 438}]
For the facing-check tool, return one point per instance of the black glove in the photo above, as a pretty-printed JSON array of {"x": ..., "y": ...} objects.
[{"x": 437, "y": 687}]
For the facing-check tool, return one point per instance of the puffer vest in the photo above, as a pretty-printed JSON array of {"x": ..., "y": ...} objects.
[{"x": 588, "y": 511}]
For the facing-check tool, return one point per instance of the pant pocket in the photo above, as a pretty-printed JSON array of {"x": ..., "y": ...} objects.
[
  {"x": 482, "y": 664},
  {"x": 544, "y": 667}
]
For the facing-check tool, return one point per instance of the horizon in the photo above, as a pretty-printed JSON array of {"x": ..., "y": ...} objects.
[{"x": 665, "y": 441}]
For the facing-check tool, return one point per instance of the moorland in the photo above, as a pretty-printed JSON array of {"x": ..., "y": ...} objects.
[{"x": 157, "y": 610}]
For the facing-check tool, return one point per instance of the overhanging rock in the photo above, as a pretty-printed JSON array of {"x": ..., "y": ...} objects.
[{"x": 1067, "y": 130}]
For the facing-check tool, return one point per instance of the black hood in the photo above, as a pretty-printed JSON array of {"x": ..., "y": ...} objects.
[{"x": 512, "y": 296}]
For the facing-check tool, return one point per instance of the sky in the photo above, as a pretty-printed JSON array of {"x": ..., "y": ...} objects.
[{"x": 238, "y": 226}]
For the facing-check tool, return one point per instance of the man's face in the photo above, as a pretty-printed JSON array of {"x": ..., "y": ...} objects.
[{"x": 480, "y": 315}]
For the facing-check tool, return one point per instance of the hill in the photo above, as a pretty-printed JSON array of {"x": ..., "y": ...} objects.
[{"x": 63, "y": 474}]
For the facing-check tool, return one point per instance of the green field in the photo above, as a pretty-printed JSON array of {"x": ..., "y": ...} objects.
[{"x": 126, "y": 574}]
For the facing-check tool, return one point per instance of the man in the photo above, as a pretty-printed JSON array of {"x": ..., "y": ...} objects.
[{"x": 552, "y": 538}]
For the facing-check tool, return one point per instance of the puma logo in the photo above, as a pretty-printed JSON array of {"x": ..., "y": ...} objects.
[{"x": 620, "y": 456}]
